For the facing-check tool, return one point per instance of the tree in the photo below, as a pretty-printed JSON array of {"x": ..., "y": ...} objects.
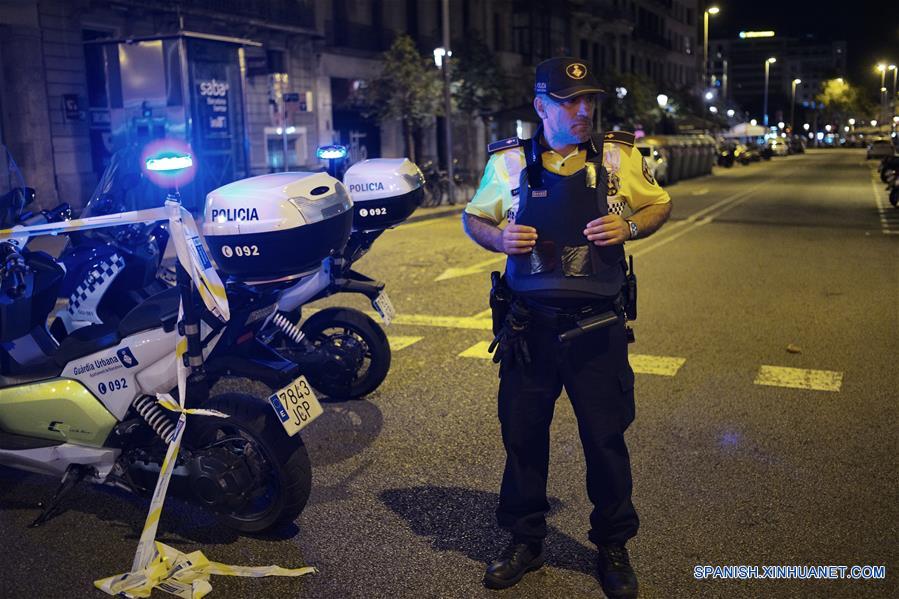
[
  {"x": 631, "y": 101},
  {"x": 408, "y": 88},
  {"x": 841, "y": 101},
  {"x": 478, "y": 82}
]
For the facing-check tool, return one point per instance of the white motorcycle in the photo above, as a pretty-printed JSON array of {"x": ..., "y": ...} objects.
[{"x": 86, "y": 407}]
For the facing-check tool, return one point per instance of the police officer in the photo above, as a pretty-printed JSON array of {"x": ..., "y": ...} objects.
[{"x": 569, "y": 199}]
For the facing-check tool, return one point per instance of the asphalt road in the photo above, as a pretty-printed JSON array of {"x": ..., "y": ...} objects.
[{"x": 736, "y": 459}]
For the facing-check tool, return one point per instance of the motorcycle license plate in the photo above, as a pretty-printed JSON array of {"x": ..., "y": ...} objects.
[
  {"x": 295, "y": 405},
  {"x": 384, "y": 307}
]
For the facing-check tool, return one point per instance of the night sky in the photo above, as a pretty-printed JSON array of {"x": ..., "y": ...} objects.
[{"x": 870, "y": 28}]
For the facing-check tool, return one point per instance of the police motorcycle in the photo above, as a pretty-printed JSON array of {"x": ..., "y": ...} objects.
[
  {"x": 86, "y": 407},
  {"x": 345, "y": 353}
]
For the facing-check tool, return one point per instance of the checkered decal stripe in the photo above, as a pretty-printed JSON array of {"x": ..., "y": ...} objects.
[{"x": 95, "y": 279}]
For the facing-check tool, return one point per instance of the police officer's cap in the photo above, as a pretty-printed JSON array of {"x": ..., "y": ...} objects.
[{"x": 566, "y": 77}]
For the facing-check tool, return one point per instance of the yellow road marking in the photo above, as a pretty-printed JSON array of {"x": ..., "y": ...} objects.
[
  {"x": 448, "y": 322},
  {"x": 478, "y": 350},
  {"x": 799, "y": 378},
  {"x": 484, "y": 314},
  {"x": 660, "y": 365},
  {"x": 398, "y": 342}
]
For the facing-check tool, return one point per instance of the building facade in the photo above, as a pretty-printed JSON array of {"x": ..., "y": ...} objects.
[
  {"x": 738, "y": 66},
  {"x": 259, "y": 84}
]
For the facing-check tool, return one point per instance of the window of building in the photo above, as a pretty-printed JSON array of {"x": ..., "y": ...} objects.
[
  {"x": 584, "y": 46},
  {"x": 498, "y": 33},
  {"x": 290, "y": 142}
]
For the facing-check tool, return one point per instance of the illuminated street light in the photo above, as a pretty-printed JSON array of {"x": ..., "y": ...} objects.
[
  {"x": 796, "y": 82},
  {"x": 780, "y": 125},
  {"x": 662, "y": 99},
  {"x": 730, "y": 112},
  {"x": 620, "y": 92},
  {"x": 768, "y": 64},
  {"x": 753, "y": 122},
  {"x": 709, "y": 95},
  {"x": 846, "y": 128},
  {"x": 439, "y": 53},
  {"x": 882, "y": 67},
  {"x": 827, "y": 128},
  {"x": 806, "y": 126},
  {"x": 706, "y": 63},
  {"x": 713, "y": 109},
  {"x": 851, "y": 121},
  {"x": 873, "y": 122}
]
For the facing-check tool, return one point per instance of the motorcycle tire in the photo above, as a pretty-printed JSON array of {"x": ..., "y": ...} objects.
[
  {"x": 354, "y": 335},
  {"x": 894, "y": 197},
  {"x": 257, "y": 438}
]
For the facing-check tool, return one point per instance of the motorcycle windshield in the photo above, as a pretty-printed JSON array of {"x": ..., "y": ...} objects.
[
  {"x": 123, "y": 187},
  {"x": 15, "y": 195}
]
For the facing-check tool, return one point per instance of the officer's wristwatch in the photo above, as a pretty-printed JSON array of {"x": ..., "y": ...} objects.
[{"x": 633, "y": 227}]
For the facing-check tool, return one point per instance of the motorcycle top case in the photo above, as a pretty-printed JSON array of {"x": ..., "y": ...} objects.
[
  {"x": 385, "y": 192},
  {"x": 277, "y": 225}
]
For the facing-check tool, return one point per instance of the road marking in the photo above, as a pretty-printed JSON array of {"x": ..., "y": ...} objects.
[
  {"x": 398, "y": 342},
  {"x": 660, "y": 365},
  {"x": 478, "y": 350},
  {"x": 700, "y": 192},
  {"x": 452, "y": 273},
  {"x": 799, "y": 378},
  {"x": 447, "y": 322},
  {"x": 484, "y": 313}
]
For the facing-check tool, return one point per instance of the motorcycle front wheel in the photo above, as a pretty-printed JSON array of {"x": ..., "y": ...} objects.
[
  {"x": 245, "y": 467},
  {"x": 356, "y": 350}
]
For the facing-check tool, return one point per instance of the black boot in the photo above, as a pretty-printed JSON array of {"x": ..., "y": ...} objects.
[
  {"x": 514, "y": 562},
  {"x": 615, "y": 572}
]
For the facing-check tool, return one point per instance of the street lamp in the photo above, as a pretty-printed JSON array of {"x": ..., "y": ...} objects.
[
  {"x": 892, "y": 67},
  {"x": 882, "y": 67},
  {"x": 730, "y": 112},
  {"x": 768, "y": 64},
  {"x": 662, "y": 99},
  {"x": 793, "y": 102},
  {"x": 712, "y": 10}
]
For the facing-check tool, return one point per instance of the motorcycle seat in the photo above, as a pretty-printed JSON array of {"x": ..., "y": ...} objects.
[
  {"x": 159, "y": 309},
  {"x": 85, "y": 341}
]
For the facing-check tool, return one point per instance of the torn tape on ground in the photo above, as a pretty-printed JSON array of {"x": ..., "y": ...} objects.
[{"x": 184, "y": 575}]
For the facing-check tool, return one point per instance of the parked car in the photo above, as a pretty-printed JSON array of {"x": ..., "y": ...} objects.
[
  {"x": 881, "y": 148},
  {"x": 778, "y": 147}
]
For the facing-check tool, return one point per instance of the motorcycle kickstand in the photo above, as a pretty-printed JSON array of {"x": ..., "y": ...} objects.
[{"x": 75, "y": 473}]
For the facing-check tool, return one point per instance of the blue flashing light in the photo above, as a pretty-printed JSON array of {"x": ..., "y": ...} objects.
[
  {"x": 169, "y": 163},
  {"x": 332, "y": 152}
]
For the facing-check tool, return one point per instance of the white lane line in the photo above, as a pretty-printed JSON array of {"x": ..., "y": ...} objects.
[
  {"x": 659, "y": 365},
  {"x": 799, "y": 378},
  {"x": 398, "y": 342}
]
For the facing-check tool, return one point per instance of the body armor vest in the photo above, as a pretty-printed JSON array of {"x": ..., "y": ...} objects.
[{"x": 564, "y": 265}]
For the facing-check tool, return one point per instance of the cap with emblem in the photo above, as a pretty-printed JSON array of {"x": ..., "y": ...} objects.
[{"x": 566, "y": 77}]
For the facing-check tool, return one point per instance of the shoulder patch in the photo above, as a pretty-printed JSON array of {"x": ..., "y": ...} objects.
[
  {"x": 621, "y": 137},
  {"x": 503, "y": 144}
]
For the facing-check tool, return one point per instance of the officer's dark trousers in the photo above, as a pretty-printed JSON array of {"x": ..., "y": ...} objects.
[{"x": 595, "y": 373}]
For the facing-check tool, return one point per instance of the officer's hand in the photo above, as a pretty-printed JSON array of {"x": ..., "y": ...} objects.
[
  {"x": 608, "y": 230},
  {"x": 519, "y": 239}
]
